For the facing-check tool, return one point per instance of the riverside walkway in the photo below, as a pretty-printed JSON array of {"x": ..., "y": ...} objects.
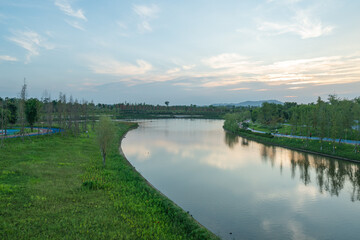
[{"x": 353, "y": 142}]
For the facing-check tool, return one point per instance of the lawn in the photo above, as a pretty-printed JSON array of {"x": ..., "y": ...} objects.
[{"x": 55, "y": 187}]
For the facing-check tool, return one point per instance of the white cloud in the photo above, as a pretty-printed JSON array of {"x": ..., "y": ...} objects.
[
  {"x": 174, "y": 70},
  {"x": 295, "y": 88},
  {"x": 113, "y": 67},
  {"x": 232, "y": 69},
  {"x": 220, "y": 82},
  {"x": 7, "y": 58},
  {"x": 146, "y": 14},
  {"x": 66, "y": 8},
  {"x": 186, "y": 84},
  {"x": 144, "y": 26},
  {"x": 302, "y": 24},
  {"x": 225, "y": 60},
  {"x": 238, "y": 89},
  {"x": 75, "y": 24},
  {"x": 31, "y": 41},
  {"x": 178, "y": 69},
  {"x": 188, "y": 67},
  {"x": 121, "y": 25},
  {"x": 122, "y": 28},
  {"x": 242, "y": 73}
]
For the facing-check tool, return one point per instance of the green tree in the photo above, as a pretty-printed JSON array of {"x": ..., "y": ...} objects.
[
  {"x": 4, "y": 119},
  {"x": 22, "y": 102},
  {"x": 335, "y": 118},
  {"x": 347, "y": 118},
  {"x": 294, "y": 120},
  {"x": 105, "y": 133},
  {"x": 270, "y": 113},
  {"x": 232, "y": 121},
  {"x": 32, "y": 111},
  {"x": 287, "y": 110},
  {"x": 12, "y": 107},
  {"x": 322, "y": 120}
]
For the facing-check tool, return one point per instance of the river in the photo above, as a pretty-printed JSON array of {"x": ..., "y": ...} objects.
[{"x": 241, "y": 189}]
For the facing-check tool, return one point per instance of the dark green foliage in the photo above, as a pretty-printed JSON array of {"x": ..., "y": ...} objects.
[
  {"x": 232, "y": 122},
  {"x": 4, "y": 115},
  {"x": 337, "y": 119},
  {"x": 245, "y": 125},
  {"x": 12, "y": 107},
  {"x": 32, "y": 111}
]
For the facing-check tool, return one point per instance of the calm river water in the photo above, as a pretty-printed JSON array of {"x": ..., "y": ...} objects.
[{"x": 233, "y": 185}]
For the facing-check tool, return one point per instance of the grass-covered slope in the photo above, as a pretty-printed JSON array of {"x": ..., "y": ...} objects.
[{"x": 55, "y": 187}]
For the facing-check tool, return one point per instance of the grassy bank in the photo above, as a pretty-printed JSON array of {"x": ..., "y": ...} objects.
[
  {"x": 299, "y": 130},
  {"x": 55, "y": 187},
  {"x": 342, "y": 151}
]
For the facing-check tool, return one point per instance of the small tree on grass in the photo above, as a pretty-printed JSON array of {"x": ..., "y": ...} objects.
[
  {"x": 105, "y": 133},
  {"x": 22, "y": 110},
  {"x": 11, "y": 105},
  {"x": 32, "y": 111},
  {"x": 4, "y": 118}
]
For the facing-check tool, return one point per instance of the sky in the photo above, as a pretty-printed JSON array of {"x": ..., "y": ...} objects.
[{"x": 185, "y": 52}]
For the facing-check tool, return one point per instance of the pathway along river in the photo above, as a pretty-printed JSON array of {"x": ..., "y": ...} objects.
[{"x": 253, "y": 191}]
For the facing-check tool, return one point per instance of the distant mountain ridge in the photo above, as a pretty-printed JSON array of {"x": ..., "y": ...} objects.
[{"x": 247, "y": 103}]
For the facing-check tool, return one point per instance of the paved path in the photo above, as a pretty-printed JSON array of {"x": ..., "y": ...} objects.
[
  {"x": 40, "y": 131},
  {"x": 353, "y": 142}
]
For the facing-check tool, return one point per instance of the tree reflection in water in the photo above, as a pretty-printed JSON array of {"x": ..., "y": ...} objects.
[
  {"x": 269, "y": 153},
  {"x": 231, "y": 139},
  {"x": 244, "y": 142},
  {"x": 331, "y": 174}
]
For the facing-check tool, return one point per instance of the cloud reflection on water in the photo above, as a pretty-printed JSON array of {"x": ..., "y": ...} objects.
[
  {"x": 246, "y": 185},
  {"x": 207, "y": 148}
]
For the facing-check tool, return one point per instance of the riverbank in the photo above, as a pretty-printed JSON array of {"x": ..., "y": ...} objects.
[
  {"x": 342, "y": 151},
  {"x": 55, "y": 187}
]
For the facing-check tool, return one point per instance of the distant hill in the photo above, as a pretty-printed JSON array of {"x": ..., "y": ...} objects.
[{"x": 247, "y": 103}]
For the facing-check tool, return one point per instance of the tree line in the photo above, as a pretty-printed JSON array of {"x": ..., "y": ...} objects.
[
  {"x": 333, "y": 118},
  {"x": 69, "y": 114},
  {"x": 73, "y": 116}
]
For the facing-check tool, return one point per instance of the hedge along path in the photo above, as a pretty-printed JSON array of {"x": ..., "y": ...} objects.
[{"x": 55, "y": 187}]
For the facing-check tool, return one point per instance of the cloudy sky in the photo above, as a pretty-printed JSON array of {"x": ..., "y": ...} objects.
[{"x": 186, "y": 52}]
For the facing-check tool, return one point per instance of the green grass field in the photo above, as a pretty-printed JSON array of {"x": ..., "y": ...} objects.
[{"x": 54, "y": 187}]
